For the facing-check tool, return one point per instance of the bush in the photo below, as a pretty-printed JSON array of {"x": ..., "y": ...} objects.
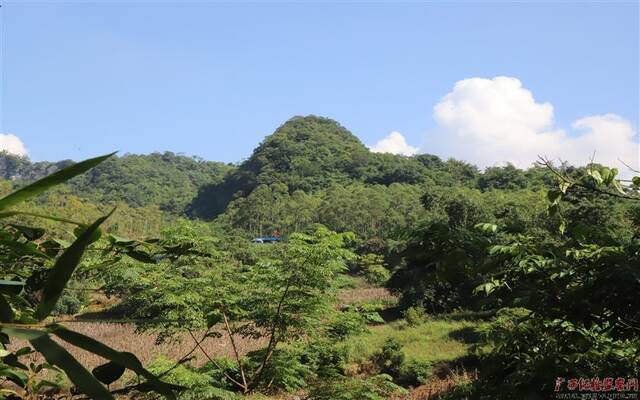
[
  {"x": 216, "y": 372},
  {"x": 378, "y": 387},
  {"x": 324, "y": 358},
  {"x": 346, "y": 323},
  {"x": 414, "y": 372},
  {"x": 529, "y": 352},
  {"x": 415, "y": 316},
  {"x": 198, "y": 385},
  {"x": 68, "y": 304},
  {"x": 391, "y": 360},
  {"x": 373, "y": 268},
  {"x": 377, "y": 275},
  {"x": 285, "y": 372},
  {"x": 371, "y": 312}
]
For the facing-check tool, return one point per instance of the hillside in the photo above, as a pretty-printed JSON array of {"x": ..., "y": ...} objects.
[
  {"x": 167, "y": 180},
  {"x": 312, "y": 153},
  {"x": 309, "y": 154}
]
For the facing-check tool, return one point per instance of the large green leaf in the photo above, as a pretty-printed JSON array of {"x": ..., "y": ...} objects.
[
  {"x": 29, "y": 232},
  {"x": 97, "y": 234},
  {"x": 125, "y": 359},
  {"x": 47, "y": 182},
  {"x": 109, "y": 372},
  {"x": 6, "y": 312},
  {"x": 57, "y": 355},
  {"x": 22, "y": 249},
  {"x": 17, "y": 377},
  {"x": 63, "y": 269},
  {"x": 11, "y": 287}
]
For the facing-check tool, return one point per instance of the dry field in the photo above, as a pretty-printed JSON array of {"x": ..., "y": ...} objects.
[
  {"x": 439, "y": 385},
  {"x": 366, "y": 294},
  {"x": 362, "y": 292},
  {"x": 124, "y": 337}
]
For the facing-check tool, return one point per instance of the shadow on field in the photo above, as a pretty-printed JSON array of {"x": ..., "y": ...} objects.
[
  {"x": 390, "y": 314},
  {"x": 468, "y": 335}
]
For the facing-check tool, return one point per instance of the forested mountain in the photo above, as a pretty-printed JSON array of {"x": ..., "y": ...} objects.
[
  {"x": 312, "y": 153},
  {"x": 167, "y": 180},
  {"x": 20, "y": 168},
  {"x": 310, "y": 170}
]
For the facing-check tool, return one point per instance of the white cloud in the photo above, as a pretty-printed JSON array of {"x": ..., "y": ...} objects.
[
  {"x": 12, "y": 144},
  {"x": 394, "y": 143},
  {"x": 493, "y": 121}
]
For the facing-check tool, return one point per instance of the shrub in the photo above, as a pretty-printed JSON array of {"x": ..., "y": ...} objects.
[
  {"x": 390, "y": 358},
  {"x": 325, "y": 358},
  {"x": 377, "y": 275},
  {"x": 219, "y": 370},
  {"x": 68, "y": 304},
  {"x": 378, "y": 387},
  {"x": 373, "y": 268},
  {"x": 370, "y": 312},
  {"x": 197, "y": 385},
  {"x": 415, "y": 316},
  {"x": 414, "y": 372},
  {"x": 346, "y": 323},
  {"x": 285, "y": 372}
]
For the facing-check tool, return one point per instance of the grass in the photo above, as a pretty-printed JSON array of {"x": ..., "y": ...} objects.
[
  {"x": 439, "y": 341},
  {"x": 434, "y": 341},
  {"x": 355, "y": 290}
]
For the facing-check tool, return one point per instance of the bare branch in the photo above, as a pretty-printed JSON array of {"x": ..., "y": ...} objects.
[
  {"x": 235, "y": 349},
  {"x": 628, "y": 166},
  {"x": 214, "y": 362}
]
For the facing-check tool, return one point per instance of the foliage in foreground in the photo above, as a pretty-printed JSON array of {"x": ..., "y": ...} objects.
[
  {"x": 35, "y": 273},
  {"x": 574, "y": 310}
]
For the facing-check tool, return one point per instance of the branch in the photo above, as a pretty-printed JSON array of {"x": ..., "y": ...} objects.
[
  {"x": 184, "y": 358},
  {"x": 564, "y": 178},
  {"x": 273, "y": 334},
  {"x": 214, "y": 362},
  {"x": 628, "y": 166},
  {"x": 235, "y": 349}
]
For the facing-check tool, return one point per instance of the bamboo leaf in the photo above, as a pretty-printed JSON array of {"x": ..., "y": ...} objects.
[
  {"x": 125, "y": 359},
  {"x": 82, "y": 228},
  {"x": 17, "y": 377},
  {"x": 28, "y": 232},
  {"x": 23, "y": 249},
  {"x": 109, "y": 372},
  {"x": 57, "y": 355},
  {"x": 11, "y": 287},
  {"x": 6, "y": 312},
  {"x": 47, "y": 182},
  {"x": 63, "y": 269}
]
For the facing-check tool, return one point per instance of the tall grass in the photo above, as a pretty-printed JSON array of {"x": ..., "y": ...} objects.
[{"x": 434, "y": 341}]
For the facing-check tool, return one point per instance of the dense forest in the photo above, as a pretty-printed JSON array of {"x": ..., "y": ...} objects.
[{"x": 395, "y": 278}]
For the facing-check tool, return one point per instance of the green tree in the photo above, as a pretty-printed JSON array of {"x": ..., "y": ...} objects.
[{"x": 571, "y": 306}]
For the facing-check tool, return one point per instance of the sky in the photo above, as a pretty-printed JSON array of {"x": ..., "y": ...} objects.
[{"x": 489, "y": 82}]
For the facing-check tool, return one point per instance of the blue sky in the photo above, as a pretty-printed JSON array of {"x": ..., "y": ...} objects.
[{"x": 212, "y": 79}]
